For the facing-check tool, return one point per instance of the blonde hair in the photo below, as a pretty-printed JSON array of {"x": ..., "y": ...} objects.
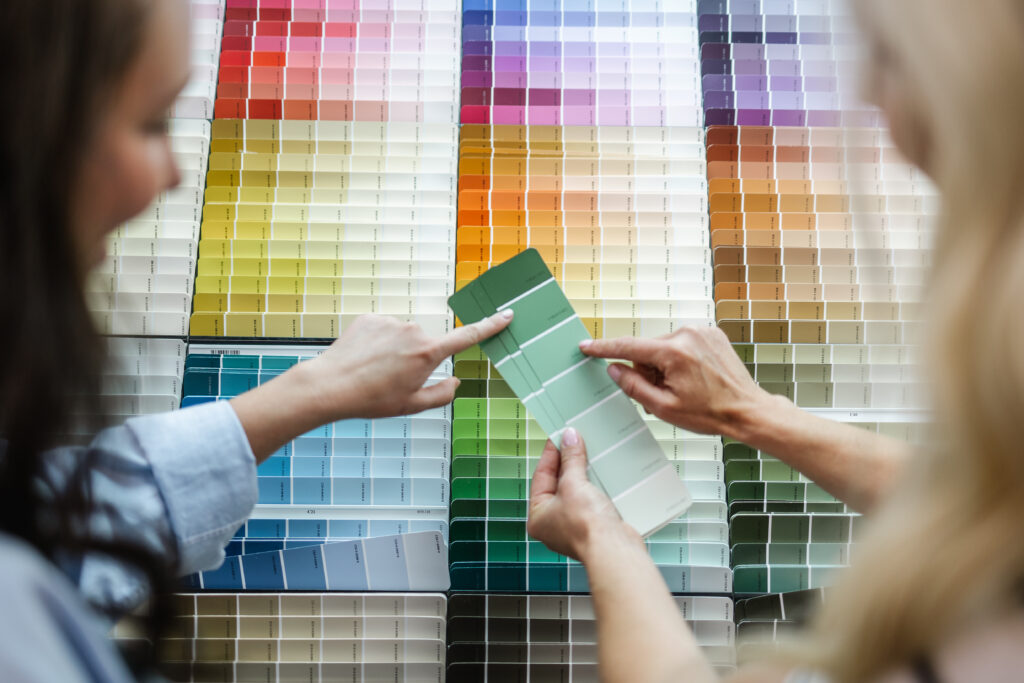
[{"x": 945, "y": 551}]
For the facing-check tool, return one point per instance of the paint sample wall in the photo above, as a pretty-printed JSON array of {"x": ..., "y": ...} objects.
[{"x": 694, "y": 163}]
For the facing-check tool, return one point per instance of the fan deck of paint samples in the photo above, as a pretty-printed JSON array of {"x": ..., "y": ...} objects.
[
  {"x": 539, "y": 357},
  {"x": 310, "y": 637},
  {"x": 496, "y": 445},
  {"x": 659, "y": 165}
]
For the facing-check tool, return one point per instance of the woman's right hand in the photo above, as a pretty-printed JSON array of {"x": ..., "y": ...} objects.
[
  {"x": 691, "y": 378},
  {"x": 376, "y": 368},
  {"x": 379, "y": 364}
]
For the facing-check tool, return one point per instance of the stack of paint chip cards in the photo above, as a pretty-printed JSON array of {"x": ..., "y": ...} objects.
[
  {"x": 786, "y": 532},
  {"x": 539, "y": 357},
  {"x": 309, "y": 224},
  {"x": 541, "y": 638},
  {"x": 353, "y": 505},
  {"x": 144, "y": 284},
  {"x": 340, "y": 61},
  {"x": 779, "y": 63},
  {"x": 580, "y": 63},
  {"x": 311, "y": 637},
  {"x": 142, "y": 376},
  {"x": 763, "y": 622},
  {"x": 407, "y": 562},
  {"x": 196, "y": 100},
  {"x": 619, "y": 214}
]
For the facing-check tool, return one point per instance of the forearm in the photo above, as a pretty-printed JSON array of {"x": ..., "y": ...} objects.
[
  {"x": 187, "y": 473},
  {"x": 854, "y": 465},
  {"x": 280, "y": 410},
  {"x": 641, "y": 634}
]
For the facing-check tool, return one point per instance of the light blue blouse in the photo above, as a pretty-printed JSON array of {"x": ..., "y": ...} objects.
[{"x": 190, "y": 473}]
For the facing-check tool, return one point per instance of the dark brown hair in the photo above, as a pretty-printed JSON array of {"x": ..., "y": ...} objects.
[{"x": 63, "y": 60}]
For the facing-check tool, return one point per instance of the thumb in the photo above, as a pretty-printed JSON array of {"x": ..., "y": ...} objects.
[
  {"x": 574, "y": 455},
  {"x": 433, "y": 395}
]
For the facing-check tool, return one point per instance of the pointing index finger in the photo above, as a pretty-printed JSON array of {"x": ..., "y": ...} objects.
[
  {"x": 466, "y": 336},
  {"x": 627, "y": 348}
]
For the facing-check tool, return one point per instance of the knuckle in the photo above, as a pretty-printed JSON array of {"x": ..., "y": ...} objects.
[
  {"x": 659, "y": 407},
  {"x": 682, "y": 345},
  {"x": 427, "y": 351},
  {"x": 445, "y": 394}
]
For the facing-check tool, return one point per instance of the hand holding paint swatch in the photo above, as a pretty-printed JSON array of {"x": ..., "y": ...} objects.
[{"x": 538, "y": 355}]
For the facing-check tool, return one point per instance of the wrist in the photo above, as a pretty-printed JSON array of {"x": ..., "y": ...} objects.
[
  {"x": 601, "y": 541},
  {"x": 757, "y": 418},
  {"x": 321, "y": 400},
  {"x": 278, "y": 411}
]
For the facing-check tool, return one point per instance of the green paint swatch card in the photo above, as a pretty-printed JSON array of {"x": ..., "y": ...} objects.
[{"x": 539, "y": 358}]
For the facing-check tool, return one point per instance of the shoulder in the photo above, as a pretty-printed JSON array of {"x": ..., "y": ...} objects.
[
  {"x": 32, "y": 590},
  {"x": 47, "y": 632},
  {"x": 984, "y": 652},
  {"x": 21, "y": 568},
  {"x": 989, "y": 651}
]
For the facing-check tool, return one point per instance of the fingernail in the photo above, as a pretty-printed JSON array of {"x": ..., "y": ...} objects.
[
  {"x": 507, "y": 314},
  {"x": 570, "y": 438},
  {"x": 614, "y": 371},
  {"x": 585, "y": 343}
]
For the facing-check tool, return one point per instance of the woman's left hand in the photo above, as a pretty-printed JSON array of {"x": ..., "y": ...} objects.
[{"x": 566, "y": 510}]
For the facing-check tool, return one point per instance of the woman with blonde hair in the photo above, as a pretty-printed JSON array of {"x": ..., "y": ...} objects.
[{"x": 936, "y": 590}]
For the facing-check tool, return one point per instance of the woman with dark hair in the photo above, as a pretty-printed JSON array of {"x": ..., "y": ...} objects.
[{"x": 83, "y": 141}]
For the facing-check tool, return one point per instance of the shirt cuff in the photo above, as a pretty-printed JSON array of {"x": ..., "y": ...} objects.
[{"x": 206, "y": 472}]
